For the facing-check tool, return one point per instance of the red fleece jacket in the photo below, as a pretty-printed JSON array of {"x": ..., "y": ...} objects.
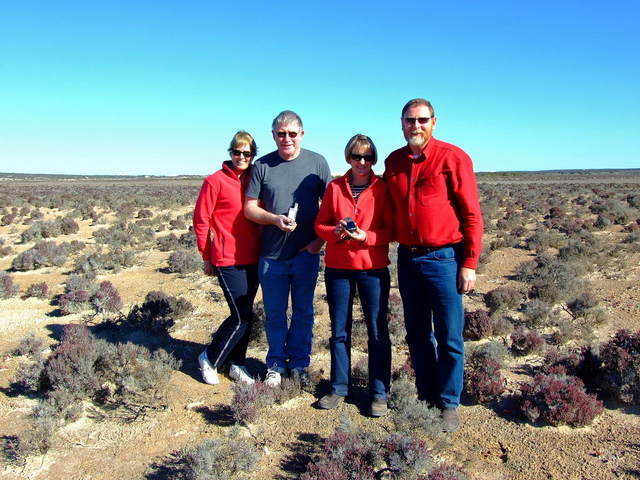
[
  {"x": 219, "y": 210},
  {"x": 373, "y": 213}
]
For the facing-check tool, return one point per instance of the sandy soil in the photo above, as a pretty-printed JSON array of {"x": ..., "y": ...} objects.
[{"x": 493, "y": 444}]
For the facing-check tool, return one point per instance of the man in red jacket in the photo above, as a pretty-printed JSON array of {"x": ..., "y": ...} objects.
[{"x": 439, "y": 229}]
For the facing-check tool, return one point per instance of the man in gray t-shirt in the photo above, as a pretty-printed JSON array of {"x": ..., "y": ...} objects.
[{"x": 283, "y": 194}]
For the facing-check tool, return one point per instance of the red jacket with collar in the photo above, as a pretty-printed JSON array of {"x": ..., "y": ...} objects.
[
  {"x": 219, "y": 210},
  {"x": 436, "y": 198},
  {"x": 373, "y": 213}
]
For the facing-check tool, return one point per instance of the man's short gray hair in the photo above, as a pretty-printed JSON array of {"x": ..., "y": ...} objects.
[{"x": 286, "y": 117}]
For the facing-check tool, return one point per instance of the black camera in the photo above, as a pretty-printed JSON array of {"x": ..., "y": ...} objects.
[{"x": 350, "y": 224}]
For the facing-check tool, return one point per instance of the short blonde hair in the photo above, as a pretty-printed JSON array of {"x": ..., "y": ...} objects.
[
  {"x": 360, "y": 140},
  {"x": 243, "y": 138}
]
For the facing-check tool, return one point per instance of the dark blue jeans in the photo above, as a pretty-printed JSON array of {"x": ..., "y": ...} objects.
[
  {"x": 289, "y": 344},
  {"x": 434, "y": 319},
  {"x": 239, "y": 284},
  {"x": 373, "y": 289}
]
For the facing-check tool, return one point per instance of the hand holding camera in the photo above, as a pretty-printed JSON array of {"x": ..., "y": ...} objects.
[{"x": 347, "y": 229}]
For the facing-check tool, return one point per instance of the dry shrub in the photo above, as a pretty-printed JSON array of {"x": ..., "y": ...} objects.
[
  {"x": 586, "y": 306},
  {"x": 409, "y": 414},
  {"x": 557, "y": 398},
  {"x": 37, "y": 290},
  {"x": 357, "y": 454},
  {"x": 525, "y": 341},
  {"x": 4, "y": 250},
  {"x": 158, "y": 312},
  {"x": 536, "y": 312},
  {"x": 168, "y": 242},
  {"x": 184, "y": 261},
  {"x": 477, "y": 325},
  {"x": 225, "y": 457},
  {"x": 249, "y": 400},
  {"x": 502, "y": 298},
  {"x": 620, "y": 368},
  {"x": 42, "y": 254},
  {"x": 99, "y": 261},
  {"x": 74, "y": 302},
  {"x": 483, "y": 378},
  {"x": 82, "y": 367},
  {"x": 29, "y": 345},
  {"x": 445, "y": 471},
  {"x": 551, "y": 280},
  {"x": 106, "y": 299},
  {"x": 8, "y": 288}
]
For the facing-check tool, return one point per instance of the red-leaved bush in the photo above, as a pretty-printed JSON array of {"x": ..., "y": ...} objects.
[
  {"x": 621, "y": 366},
  {"x": 557, "y": 398}
]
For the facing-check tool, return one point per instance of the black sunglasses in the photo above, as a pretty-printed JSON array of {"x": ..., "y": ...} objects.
[
  {"x": 237, "y": 153},
  {"x": 420, "y": 120},
  {"x": 357, "y": 158},
  {"x": 284, "y": 134}
]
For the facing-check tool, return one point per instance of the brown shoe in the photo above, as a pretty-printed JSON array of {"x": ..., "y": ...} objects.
[
  {"x": 378, "y": 408},
  {"x": 450, "y": 420},
  {"x": 330, "y": 401}
]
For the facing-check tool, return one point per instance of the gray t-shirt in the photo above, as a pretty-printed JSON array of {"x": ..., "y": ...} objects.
[{"x": 278, "y": 184}]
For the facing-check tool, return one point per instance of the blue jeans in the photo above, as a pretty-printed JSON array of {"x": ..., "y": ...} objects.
[
  {"x": 373, "y": 289},
  {"x": 289, "y": 345},
  {"x": 434, "y": 319}
]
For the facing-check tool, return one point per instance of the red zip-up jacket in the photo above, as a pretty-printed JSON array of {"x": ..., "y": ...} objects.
[
  {"x": 436, "y": 198},
  {"x": 219, "y": 210},
  {"x": 373, "y": 213}
]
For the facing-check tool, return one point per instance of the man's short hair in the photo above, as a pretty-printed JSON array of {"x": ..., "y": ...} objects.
[
  {"x": 286, "y": 117},
  {"x": 417, "y": 102},
  {"x": 243, "y": 138},
  {"x": 357, "y": 141}
]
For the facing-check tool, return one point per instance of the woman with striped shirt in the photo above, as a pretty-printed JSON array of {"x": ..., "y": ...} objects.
[{"x": 356, "y": 220}]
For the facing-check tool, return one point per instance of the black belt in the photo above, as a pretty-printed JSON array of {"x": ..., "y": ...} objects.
[{"x": 425, "y": 249}]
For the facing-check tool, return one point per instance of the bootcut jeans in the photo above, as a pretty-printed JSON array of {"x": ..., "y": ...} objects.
[
  {"x": 434, "y": 320},
  {"x": 373, "y": 290}
]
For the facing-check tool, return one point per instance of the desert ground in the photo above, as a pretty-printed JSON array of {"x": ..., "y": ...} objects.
[{"x": 587, "y": 222}]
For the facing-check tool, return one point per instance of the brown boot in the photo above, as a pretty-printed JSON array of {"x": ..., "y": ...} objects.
[
  {"x": 330, "y": 401},
  {"x": 378, "y": 408}
]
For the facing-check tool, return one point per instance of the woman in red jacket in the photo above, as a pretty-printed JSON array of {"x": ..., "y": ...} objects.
[
  {"x": 229, "y": 246},
  {"x": 356, "y": 219}
]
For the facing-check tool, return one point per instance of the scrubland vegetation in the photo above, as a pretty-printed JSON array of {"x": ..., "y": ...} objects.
[{"x": 549, "y": 342}]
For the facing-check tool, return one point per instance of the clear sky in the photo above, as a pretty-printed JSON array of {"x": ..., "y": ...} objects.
[{"x": 159, "y": 87}]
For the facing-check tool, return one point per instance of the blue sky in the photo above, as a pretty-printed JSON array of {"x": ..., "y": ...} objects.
[{"x": 159, "y": 87}]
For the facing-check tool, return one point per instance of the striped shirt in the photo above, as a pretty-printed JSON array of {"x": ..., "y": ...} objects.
[{"x": 356, "y": 190}]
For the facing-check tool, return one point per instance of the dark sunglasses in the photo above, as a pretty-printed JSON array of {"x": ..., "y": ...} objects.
[
  {"x": 284, "y": 134},
  {"x": 237, "y": 153},
  {"x": 420, "y": 120},
  {"x": 357, "y": 158}
]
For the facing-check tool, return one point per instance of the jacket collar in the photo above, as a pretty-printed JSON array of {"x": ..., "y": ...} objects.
[
  {"x": 227, "y": 167},
  {"x": 346, "y": 178}
]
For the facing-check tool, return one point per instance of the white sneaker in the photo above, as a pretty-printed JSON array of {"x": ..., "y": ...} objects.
[
  {"x": 209, "y": 374},
  {"x": 240, "y": 374},
  {"x": 273, "y": 378}
]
